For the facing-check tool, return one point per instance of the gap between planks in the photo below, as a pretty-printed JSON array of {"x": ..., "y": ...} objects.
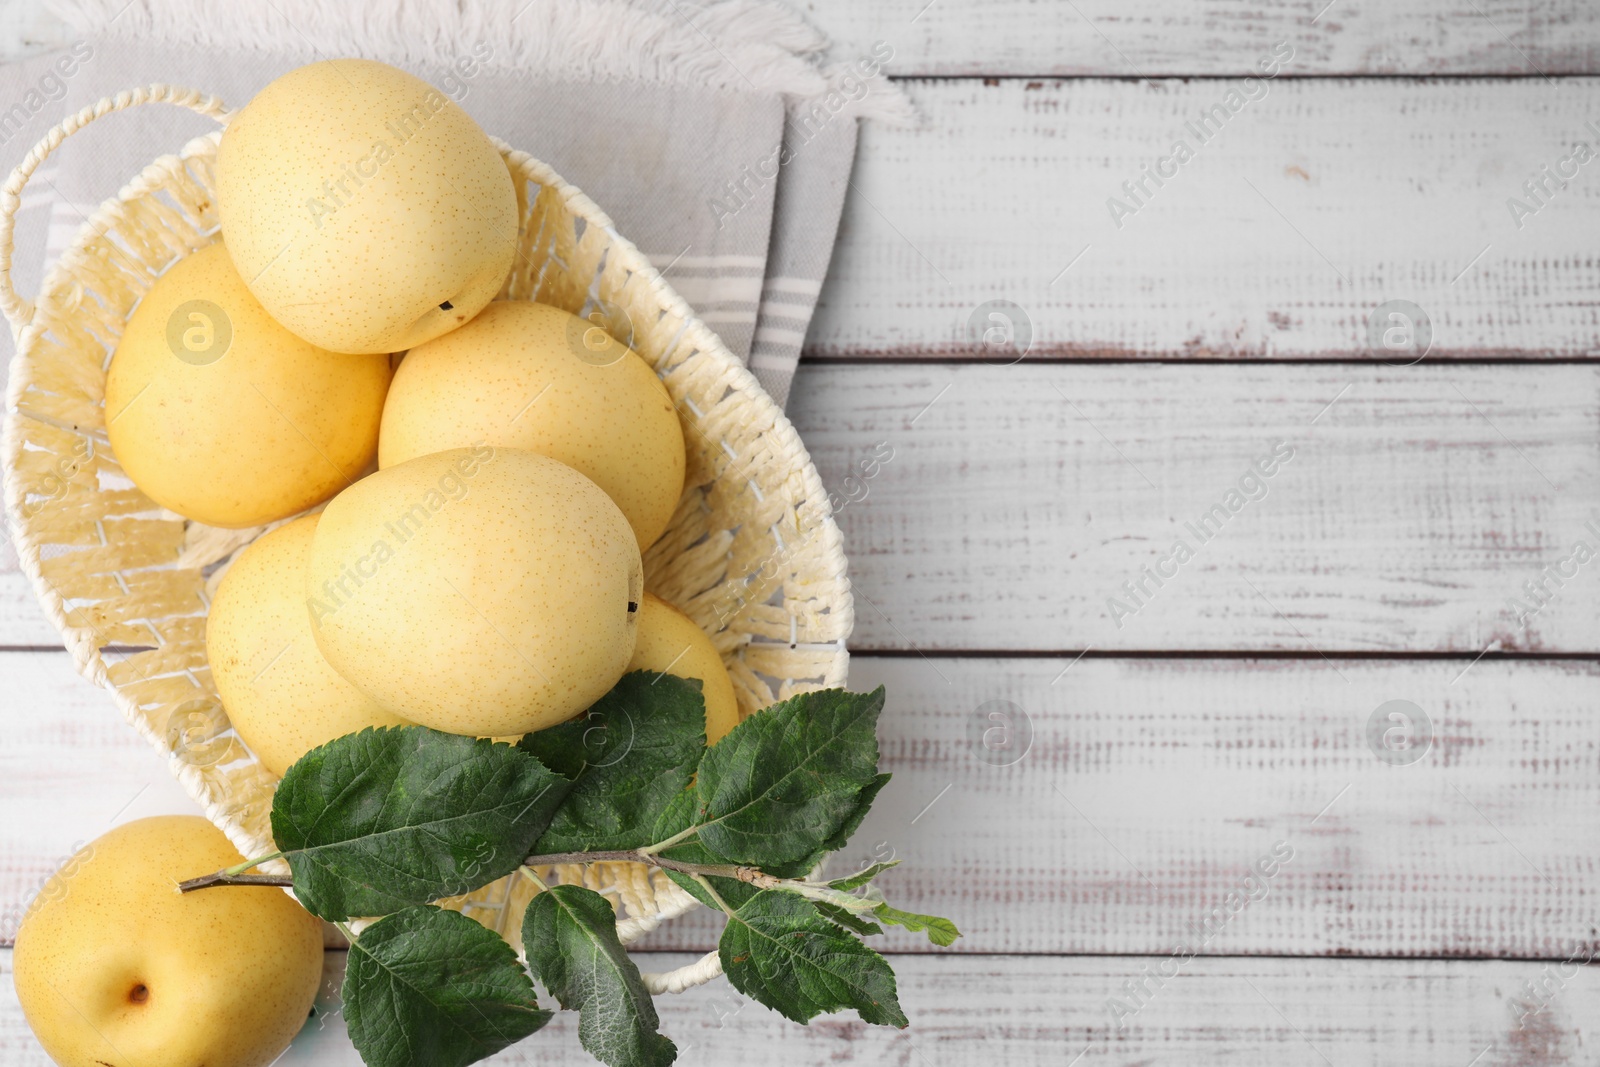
[
  {"x": 1278, "y": 239},
  {"x": 1105, "y": 809}
]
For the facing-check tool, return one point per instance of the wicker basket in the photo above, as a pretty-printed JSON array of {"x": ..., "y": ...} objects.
[{"x": 752, "y": 554}]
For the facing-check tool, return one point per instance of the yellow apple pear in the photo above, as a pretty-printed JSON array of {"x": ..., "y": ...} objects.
[
  {"x": 527, "y": 375},
  {"x": 220, "y": 414},
  {"x": 367, "y": 211},
  {"x": 280, "y": 693},
  {"x": 114, "y": 966},
  {"x": 671, "y": 643},
  {"x": 485, "y": 591}
]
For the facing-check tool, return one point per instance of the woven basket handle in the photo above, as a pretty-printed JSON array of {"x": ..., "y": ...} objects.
[{"x": 18, "y": 311}]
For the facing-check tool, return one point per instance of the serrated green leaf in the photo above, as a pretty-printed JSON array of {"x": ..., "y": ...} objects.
[
  {"x": 384, "y": 819},
  {"x": 680, "y": 816},
  {"x": 840, "y": 837},
  {"x": 784, "y": 782},
  {"x": 570, "y": 934},
  {"x": 941, "y": 932},
  {"x": 432, "y": 988},
  {"x": 846, "y": 918},
  {"x": 778, "y": 949},
  {"x": 677, "y": 817},
  {"x": 731, "y": 890},
  {"x": 629, "y": 756},
  {"x": 862, "y": 877},
  {"x": 852, "y": 822}
]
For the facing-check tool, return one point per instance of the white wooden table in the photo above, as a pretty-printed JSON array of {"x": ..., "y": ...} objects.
[{"x": 1430, "y": 905}]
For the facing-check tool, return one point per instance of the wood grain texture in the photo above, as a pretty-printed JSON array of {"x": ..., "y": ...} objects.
[
  {"x": 1144, "y": 792},
  {"x": 1150, "y": 38},
  {"x": 22, "y": 621},
  {"x": 1052, "y": 1012},
  {"x": 1312, "y": 206},
  {"x": 1138, "y": 795},
  {"x": 1020, "y": 499},
  {"x": 1147, "y": 38},
  {"x": 1209, "y": 268},
  {"x": 70, "y": 769}
]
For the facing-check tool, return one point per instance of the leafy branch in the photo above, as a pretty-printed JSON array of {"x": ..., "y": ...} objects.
[{"x": 386, "y": 821}]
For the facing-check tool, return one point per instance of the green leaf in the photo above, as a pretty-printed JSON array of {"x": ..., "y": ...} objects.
[
  {"x": 676, "y": 816},
  {"x": 731, "y": 890},
  {"x": 846, "y": 918},
  {"x": 629, "y": 756},
  {"x": 840, "y": 837},
  {"x": 432, "y": 988},
  {"x": 570, "y": 934},
  {"x": 778, "y": 949},
  {"x": 941, "y": 932},
  {"x": 852, "y": 822},
  {"x": 788, "y": 780},
  {"x": 384, "y": 819},
  {"x": 679, "y": 816},
  {"x": 861, "y": 877}
]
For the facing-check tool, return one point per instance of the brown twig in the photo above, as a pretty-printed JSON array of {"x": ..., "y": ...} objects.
[
  {"x": 744, "y": 874},
  {"x": 224, "y": 878}
]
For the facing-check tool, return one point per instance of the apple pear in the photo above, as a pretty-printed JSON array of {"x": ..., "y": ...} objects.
[
  {"x": 670, "y": 642},
  {"x": 365, "y": 208},
  {"x": 527, "y": 375},
  {"x": 220, "y": 414},
  {"x": 280, "y": 693},
  {"x": 484, "y": 591},
  {"x": 114, "y": 966}
]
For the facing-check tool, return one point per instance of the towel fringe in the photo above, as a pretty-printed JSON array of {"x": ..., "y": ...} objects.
[{"x": 734, "y": 45}]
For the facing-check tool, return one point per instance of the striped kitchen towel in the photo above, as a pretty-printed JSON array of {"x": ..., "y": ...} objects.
[{"x": 712, "y": 131}]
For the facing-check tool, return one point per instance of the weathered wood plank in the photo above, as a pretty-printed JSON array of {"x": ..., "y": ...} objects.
[
  {"x": 1148, "y": 790},
  {"x": 22, "y": 621},
  {"x": 70, "y": 769},
  {"x": 1537, "y": 300},
  {"x": 1019, "y": 500},
  {"x": 1150, "y": 38},
  {"x": 1147, "y": 38},
  {"x": 1315, "y": 203},
  {"x": 1144, "y": 792},
  {"x": 1023, "y": 1011}
]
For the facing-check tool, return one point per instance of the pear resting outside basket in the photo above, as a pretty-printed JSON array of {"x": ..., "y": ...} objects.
[{"x": 752, "y": 555}]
